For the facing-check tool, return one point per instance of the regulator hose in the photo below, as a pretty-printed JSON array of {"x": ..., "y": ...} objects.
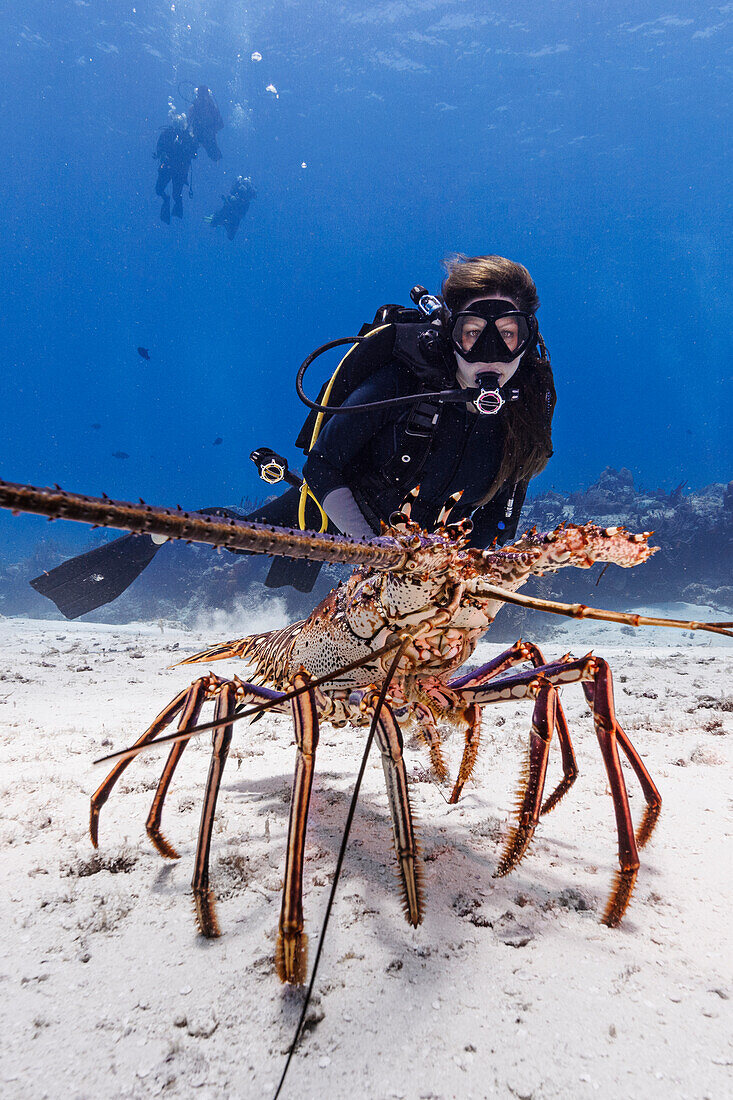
[{"x": 457, "y": 397}]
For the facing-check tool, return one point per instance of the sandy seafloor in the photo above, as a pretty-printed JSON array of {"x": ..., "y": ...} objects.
[{"x": 510, "y": 988}]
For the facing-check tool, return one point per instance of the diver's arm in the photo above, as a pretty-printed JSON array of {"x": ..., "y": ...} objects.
[
  {"x": 343, "y": 511},
  {"x": 499, "y": 517}
]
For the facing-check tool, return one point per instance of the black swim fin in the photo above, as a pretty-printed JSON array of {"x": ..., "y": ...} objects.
[
  {"x": 93, "y": 579},
  {"x": 90, "y": 580},
  {"x": 299, "y": 573}
]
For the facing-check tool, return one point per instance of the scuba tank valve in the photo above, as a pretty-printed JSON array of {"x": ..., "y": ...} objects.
[{"x": 430, "y": 306}]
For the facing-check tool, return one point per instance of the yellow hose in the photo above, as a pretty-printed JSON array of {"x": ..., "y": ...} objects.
[
  {"x": 305, "y": 489},
  {"x": 305, "y": 492}
]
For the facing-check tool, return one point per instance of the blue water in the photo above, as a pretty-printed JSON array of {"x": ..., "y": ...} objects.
[{"x": 590, "y": 142}]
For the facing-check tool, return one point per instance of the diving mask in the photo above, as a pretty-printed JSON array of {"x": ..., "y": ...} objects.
[{"x": 492, "y": 331}]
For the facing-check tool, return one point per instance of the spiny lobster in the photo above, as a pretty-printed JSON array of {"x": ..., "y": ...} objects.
[{"x": 385, "y": 648}]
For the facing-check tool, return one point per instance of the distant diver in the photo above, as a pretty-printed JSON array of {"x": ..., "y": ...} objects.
[
  {"x": 175, "y": 150},
  {"x": 235, "y": 206},
  {"x": 205, "y": 121}
]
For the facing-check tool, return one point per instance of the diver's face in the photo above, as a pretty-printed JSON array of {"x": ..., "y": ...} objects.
[{"x": 467, "y": 373}]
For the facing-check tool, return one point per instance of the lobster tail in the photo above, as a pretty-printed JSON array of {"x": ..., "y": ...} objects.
[{"x": 269, "y": 653}]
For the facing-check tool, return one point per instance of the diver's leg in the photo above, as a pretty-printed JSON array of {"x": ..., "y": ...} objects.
[
  {"x": 177, "y": 193},
  {"x": 282, "y": 511},
  {"x": 164, "y": 178},
  {"x": 97, "y": 577},
  {"x": 212, "y": 148}
]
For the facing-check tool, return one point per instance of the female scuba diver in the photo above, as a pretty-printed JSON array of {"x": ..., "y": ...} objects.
[
  {"x": 455, "y": 397},
  {"x": 361, "y": 467}
]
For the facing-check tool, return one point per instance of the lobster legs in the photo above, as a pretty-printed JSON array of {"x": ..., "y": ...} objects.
[
  {"x": 291, "y": 953},
  {"x": 518, "y": 654},
  {"x": 292, "y": 943},
  {"x": 202, "y": 894},
  {"x": 464, "y": 697},
  {"x": 540, "y": 684}
]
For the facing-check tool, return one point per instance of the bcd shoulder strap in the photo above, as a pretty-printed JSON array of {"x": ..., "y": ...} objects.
[{"x": 414, "y": 442}]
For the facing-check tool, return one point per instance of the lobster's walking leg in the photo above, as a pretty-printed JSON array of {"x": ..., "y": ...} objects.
[
  {"x": 599, "y": 694},
  {"x": 291, "y": 957},
  {"x": 472, "y": 716},
  {"x": 103, "y": 792},
  {"x": 532, "y": 782},
  {"x": 651, "y": 794},
  {"x": 569, "y": 764},
  {"x": 519, "y": 652},
  {"x": 191, "y": 710},
  {"x": 202, "y": 894},
  {"x": 429, "y": 734},
  {"x": 389, "y": 738},
  {"x": 508, "y": 659}
]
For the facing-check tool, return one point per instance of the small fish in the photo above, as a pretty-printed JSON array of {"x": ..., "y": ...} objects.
[
  {"x": 120, "y": 454},
  {"x": 96, "y": 427},
  {"x": 143, "y": 353},
  {"x": 217, "y": 442}
]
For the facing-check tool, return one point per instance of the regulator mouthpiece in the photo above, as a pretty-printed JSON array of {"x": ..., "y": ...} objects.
[
  {"x": 489, "y": 401},
  {"x": 271, "y": 467}
]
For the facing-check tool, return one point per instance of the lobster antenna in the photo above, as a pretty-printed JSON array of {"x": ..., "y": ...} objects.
[
  {"x": 582, "y": 611},
  {"x": 342, "y": 853}
]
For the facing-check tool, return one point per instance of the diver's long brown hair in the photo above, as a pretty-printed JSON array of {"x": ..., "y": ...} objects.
[{"x": 528, "y": 437}]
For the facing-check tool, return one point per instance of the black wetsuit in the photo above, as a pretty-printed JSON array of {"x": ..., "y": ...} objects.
[
  {"x": 176, "y": 149},
  {"x": 382, "y": 454},
  {"x": 205, "y": 121},
  {"x": 235, "y": 206},
  {"x": 364, "y": 452}
]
